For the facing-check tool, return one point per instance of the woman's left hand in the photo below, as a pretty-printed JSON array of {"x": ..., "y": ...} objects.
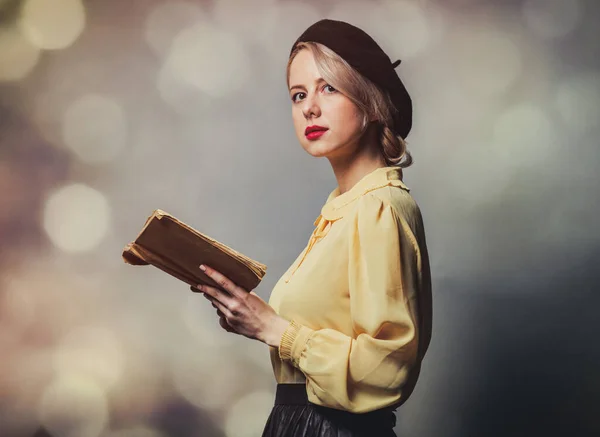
[{"x": 241, "y": 311}]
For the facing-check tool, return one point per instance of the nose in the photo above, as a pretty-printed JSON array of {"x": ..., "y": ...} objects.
[{"x": 310, "y": 107}]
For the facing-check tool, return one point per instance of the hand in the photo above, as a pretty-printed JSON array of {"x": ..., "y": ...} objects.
[{"x": 243, "y": 312}]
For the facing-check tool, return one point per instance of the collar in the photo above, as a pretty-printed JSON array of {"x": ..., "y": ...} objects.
[{"x": 337, "y": 204}]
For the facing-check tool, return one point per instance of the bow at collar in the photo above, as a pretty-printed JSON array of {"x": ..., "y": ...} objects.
[{"x": 322, "y": 227}]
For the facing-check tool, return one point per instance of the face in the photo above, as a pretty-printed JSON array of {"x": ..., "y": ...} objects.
[{"x": 316, "y": 103}]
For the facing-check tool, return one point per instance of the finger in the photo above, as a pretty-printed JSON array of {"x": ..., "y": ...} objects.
[
  {"x": 212, "y": 303},
  {"x": 224, "y": 282},
  {"x": 225, "y": 325},
  {"x": 216, "y": 294},
  {"x": 211, "y": 300},
  {"x": 220, "y": 307}
]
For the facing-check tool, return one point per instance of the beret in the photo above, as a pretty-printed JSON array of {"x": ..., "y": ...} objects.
[{"x": 363, "y": 54}]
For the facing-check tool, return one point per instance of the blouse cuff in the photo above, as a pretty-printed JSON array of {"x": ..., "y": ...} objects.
[{"x": 293, "y": 342}]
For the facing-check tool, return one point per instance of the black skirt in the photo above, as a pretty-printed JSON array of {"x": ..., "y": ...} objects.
[{"x": 294, "y": 416}]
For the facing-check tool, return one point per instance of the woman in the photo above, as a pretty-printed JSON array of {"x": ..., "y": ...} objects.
[{"x": 349, "y": 322}]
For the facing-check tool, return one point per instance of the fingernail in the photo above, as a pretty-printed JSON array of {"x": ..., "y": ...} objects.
[{"x": 202, "y": 267}]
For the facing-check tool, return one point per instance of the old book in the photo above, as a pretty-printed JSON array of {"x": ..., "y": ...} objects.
[{"x": 179, "y": 249}]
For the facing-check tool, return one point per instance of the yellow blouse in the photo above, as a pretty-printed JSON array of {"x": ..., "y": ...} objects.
[{"x": 359, "y": 299}]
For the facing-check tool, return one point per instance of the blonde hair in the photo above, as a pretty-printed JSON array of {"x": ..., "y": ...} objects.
[{"x": 370, "y": 99}]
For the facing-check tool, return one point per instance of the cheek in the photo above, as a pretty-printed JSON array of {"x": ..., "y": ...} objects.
[
  {"x": 298, "y": 119},
  {"x": 347, "y": 115},
  {"x": 299, "y": 125}
]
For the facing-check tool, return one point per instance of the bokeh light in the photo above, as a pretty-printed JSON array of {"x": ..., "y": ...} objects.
[
  {"x": 167, "y": 19},
  {"x": 76, "y": 217},
  {"x": 25, "y": 372},
  {"x": 72, "y": 406},
  {"x": 242, "y": 18},
  {"x": 91, "y": 352},
  {"x": 95, "y": 128},
  {"x": 18, "y": 56},
  {"x": 181, "y": 96},
  {"x": 276, "y": 21},
  {"x": 111, "y": 109},
  {"x": 413, "y": 27},
  {"x": 213, "y": 60},
  {"x": 52, "y": 25}
]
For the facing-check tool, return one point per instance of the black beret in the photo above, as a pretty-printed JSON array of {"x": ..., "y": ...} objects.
[{"x": 359, "y": 50}]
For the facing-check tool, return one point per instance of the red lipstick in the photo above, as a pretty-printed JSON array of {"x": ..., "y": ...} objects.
[{"x": 314, "y": 132}]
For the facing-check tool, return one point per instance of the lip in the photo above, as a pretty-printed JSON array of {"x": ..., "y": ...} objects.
[
  {"x": 315, "y": 134},
  {"x": 314, "y": 128}
]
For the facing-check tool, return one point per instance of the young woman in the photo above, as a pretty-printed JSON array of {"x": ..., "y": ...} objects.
[{"x": 349, "y": 322}]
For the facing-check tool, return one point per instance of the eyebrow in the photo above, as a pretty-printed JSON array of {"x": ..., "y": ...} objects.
[{"x": 302, "y": 87}]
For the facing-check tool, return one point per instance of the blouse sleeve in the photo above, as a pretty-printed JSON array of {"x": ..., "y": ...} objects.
[{"x": 366, "y": 372}]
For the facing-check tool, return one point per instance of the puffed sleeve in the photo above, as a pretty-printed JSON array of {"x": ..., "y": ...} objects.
[{"x": 366, "y": 372}]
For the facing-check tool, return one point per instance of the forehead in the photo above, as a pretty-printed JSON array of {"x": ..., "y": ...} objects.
[{"x": 303, "y": 69}]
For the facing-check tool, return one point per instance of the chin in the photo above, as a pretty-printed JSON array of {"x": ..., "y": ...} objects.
[{"x": 319, "y": 149}]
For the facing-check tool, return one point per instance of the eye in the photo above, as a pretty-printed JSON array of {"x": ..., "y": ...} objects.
[
  {"x": 332, "y": 89},
  {"x": 294, "y": 97}
]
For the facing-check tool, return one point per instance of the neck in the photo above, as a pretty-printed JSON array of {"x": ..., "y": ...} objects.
[{"x": 367, "y": 157}]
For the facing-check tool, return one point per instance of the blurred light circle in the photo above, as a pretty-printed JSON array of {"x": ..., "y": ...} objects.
[
  {"x": 248, "y": 415},
  {"x": 487, "y": 60},
  {"x": 52, "y": 25},
  {"x": 403, "y": 26},
  {"x": 93, "y": 353},
  {"x": 522, "y": 135},
  {"x": 184, "y": 98},
  {"x": 141, "y": 390},
  {"x": 73, "y": 407},
  {"x": 578, "y": 101},
  {"x": 277, "y": 21},
  {"x": 211, "y": 59},
  {"x": 242, "y": 17},
  {"x": 25, "y": 374},
  {"x": 95, "y": 128},
  {"x": 167, "y": 19},
  {"x": 136, "y": 431},
  {"x": 18, "y": 56},
  {"x": 551, "y": 18},
  {"x": 206, "y": 378},
  {"x": 76, "y": 218}
]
